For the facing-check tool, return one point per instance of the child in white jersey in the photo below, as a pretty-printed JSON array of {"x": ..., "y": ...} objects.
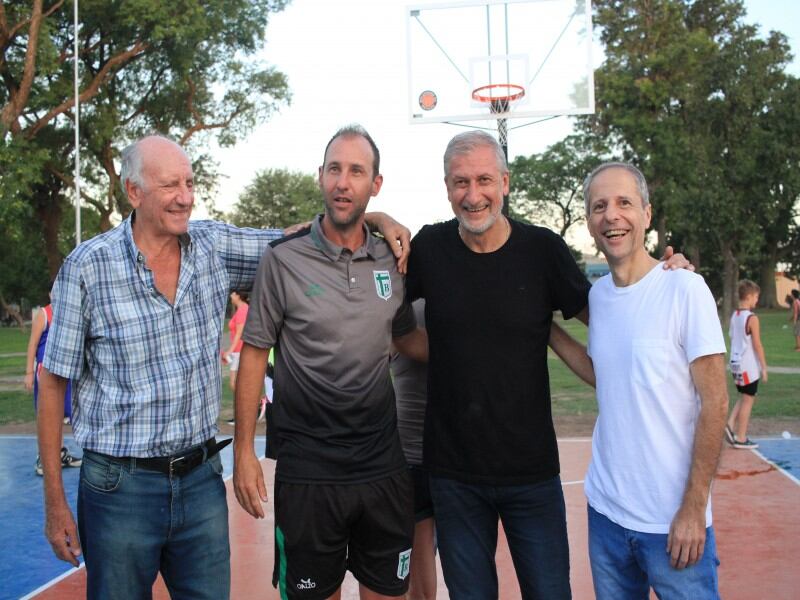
[{"x": 748, "y": 363}]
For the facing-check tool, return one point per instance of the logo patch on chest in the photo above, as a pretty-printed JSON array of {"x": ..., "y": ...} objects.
[
  {"x": 314, "y": 290},
  {"x": 383, "y": 284}
]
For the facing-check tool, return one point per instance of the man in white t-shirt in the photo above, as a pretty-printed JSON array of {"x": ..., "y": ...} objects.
[{"x": 658, "y": 353}]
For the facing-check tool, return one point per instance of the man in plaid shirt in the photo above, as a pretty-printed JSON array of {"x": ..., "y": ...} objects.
[{"x": 139, "y": 314}]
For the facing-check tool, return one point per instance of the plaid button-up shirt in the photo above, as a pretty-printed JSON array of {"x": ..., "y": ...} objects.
[{"x": 146, "y": 372}]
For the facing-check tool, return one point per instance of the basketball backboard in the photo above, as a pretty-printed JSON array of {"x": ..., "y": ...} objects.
[{"x": 541, "y": 46}]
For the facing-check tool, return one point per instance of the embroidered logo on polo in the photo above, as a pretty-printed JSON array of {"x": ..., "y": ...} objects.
[
  {"x": 403, "y": 563},
  {"x": 383, "y": 284},
  {"x": 314, "y": 290}
]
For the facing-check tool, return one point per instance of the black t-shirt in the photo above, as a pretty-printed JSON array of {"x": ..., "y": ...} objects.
[{"x": 488, "y": 317}]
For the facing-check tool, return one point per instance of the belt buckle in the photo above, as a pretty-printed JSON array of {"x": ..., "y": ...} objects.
[{"x": 173, "y": 462}]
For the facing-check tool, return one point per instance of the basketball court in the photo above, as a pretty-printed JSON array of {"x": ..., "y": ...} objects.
[{"x": 756, "y": 517}]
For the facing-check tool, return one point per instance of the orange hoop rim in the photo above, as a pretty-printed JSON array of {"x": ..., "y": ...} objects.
[{"x": 478, "y": 96}]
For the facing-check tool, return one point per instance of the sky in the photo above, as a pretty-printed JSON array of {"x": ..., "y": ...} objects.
[{"x": 346, "y": 62}]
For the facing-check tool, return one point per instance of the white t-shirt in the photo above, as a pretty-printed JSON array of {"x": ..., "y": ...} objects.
[{"x": 642, "y": 339}]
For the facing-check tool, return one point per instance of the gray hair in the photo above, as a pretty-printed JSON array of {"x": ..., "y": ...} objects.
[
  {"x": 466, "y": 142},
  {"x": 354, "y": 129},
  {"x": 133, "y": 160},
  {"x": 641, "y": 182}
]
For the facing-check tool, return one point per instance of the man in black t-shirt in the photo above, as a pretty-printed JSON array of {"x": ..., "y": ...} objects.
[{"x": 491, "y": 285}]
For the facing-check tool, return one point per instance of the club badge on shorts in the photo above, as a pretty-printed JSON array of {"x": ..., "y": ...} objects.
[
  {"x": 403, "y": 563},
  {"x": 383, "y": 284}
]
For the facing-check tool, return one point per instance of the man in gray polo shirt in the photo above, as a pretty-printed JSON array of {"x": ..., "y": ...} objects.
[{"x": 331, "y": 301}]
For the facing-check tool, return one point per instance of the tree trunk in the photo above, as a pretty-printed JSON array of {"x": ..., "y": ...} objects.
[
  {"x": 769, "y": 293},
  {"x": 662, "y": 234},
  {"x": 730, "y": 278},
  {"x": 693, "y": 251},
  {"x": 50, "y": 212}
]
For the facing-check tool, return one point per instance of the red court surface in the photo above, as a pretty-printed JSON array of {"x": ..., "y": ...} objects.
[{"x": 756, "y": 518}]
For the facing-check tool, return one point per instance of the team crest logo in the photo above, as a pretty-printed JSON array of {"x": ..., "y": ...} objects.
[
  {"x": 403, "y": 563},
  {"x": 383, "y": 284}
]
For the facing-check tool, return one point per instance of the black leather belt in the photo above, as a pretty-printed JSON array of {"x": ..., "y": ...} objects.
[{"x": 182, "y": 463}]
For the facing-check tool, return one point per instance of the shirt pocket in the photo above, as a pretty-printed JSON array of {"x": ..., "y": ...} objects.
[{"x": 649, "y": 362}]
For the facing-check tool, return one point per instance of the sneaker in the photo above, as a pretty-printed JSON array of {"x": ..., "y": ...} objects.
[
  {"x": 38, "y": 467},
  {"x": 231, "y": 421},
  {"x": 67, "y": 421},
  {"x": 729, "y": 435},
  {"x": 748, "y": 443},
  {"x": 67, "y": 460}
]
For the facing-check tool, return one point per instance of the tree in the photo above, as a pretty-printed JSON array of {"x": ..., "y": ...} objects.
[
  {"x": 23, "y": 270},
  {"x": 778, "y": 172},
  {"x": 185, "y": 68},
  {"x": 547, "y": 188},
  {"x": 682, "y": 95},
  {"x": 278, "y": 198}
]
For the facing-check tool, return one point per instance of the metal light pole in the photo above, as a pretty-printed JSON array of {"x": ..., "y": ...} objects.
[{"x": 77, "y": 129}]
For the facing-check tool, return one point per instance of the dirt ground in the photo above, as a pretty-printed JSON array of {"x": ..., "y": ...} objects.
[{"x": 566, "y": 426}]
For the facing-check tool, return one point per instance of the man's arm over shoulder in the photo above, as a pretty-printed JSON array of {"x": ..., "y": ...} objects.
[
  {"x": 239, "y": 248},
  {"x": 396, "y": 235}
]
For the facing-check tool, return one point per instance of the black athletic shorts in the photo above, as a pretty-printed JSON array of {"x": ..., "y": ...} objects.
[
  {"x": 323, "y": 530},
  {"x": 423, "y": 504},
  {"x": 751, "y": 389}
]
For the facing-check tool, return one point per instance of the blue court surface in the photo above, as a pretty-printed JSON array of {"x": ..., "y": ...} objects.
[
  {"x": 29, "y": 562},
  {"x": 783, "y": 453}
]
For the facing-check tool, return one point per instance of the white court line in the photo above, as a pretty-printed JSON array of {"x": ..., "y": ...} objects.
[
  {"x": 578, "y": 439},
  {"x": 52, "y": 582},
  {"x": 777, "y": 466}
]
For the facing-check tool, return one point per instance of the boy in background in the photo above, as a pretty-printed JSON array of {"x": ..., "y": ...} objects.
[
  {"x": 40, "y": 327},
  {"x": 748, "y": 363}
]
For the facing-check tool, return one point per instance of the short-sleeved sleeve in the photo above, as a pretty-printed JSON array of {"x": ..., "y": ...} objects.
[
  {"x": 267, "y": 305},
  {"x": 701, "y": 331},
  {"x": 405, "y": 321},
  {"x": 65, "y": 343},
  {"x": 570, "y": 288}
]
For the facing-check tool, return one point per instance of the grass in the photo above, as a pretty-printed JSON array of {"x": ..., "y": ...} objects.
[{"x": 778, "y": 397}]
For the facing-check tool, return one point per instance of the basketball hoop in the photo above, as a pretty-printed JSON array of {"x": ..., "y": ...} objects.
[{"x": 499, "y": 96}]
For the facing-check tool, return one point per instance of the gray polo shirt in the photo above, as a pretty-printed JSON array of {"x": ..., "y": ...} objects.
[{"x": 331, "y": 315}]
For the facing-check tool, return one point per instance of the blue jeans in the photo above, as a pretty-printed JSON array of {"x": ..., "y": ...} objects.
[
  {"x": 134, "y": 523},
  {"x": 534, "y": 521},
  {"x": 626, "y": 563}
]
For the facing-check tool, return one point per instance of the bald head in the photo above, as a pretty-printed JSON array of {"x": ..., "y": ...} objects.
[{"x": 141, "y": 154}]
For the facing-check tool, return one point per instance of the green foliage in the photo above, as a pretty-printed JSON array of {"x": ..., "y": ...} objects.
[
  {"x": 701, "y": 103},
  {"x": 188, "y": 69},
  {"x": 777, "y": 397},
  {"x": 278, "y": 198},
  {"x": 23, "y": 267},
  {"x": 546, "y": 188}
]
